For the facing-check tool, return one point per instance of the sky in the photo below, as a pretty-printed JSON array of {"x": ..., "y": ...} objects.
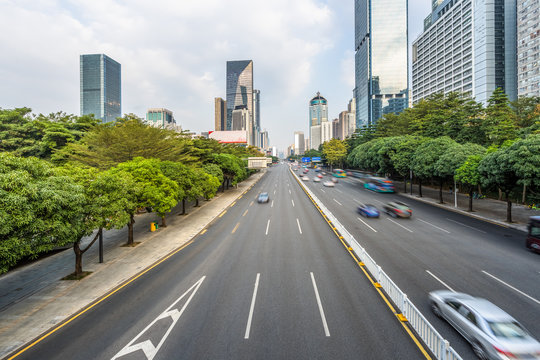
[{"x": 174, "y": 52}]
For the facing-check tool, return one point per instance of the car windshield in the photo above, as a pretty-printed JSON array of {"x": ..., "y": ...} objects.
[{"x": 509, "y": 330}]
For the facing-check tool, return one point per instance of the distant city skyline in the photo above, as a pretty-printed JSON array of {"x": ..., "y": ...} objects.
[{"x": 295, "y": 56}]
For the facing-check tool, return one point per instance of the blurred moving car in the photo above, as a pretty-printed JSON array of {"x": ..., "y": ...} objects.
[
  {"x": 319, "y": 176},
  {"x": 323, "y": 173},
  {"x": 379, "y": 185},
  {"x": 368, "y": 210},
  {"x": 305, "y": 178},
  {"x": 263, "y": 197},
  {"x": 334, "y": 180},
  {"x": 316, "y": 179},
  {"x": 318, "y": 170},
  {"x": 329, "y": 183},
  {"x": 492, "y": 333},
  {"x": 397, "y": 209},
  {"x": 533, "y": 236},
  {"x": 339, "y": 173}
]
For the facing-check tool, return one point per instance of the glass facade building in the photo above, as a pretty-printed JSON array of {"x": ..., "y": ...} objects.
[
  {"x": 160, "y": 118},
  {"x": 318, "y": 117},
  {"x": 101, "y": 91},
  {"x": 239, "y": 88},
  {"x": 528, "y": 51},
  {"x": 381, "y": 60}
]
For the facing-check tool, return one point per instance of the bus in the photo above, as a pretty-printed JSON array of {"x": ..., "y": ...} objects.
[
  {"x": 379, "y": 185},
  {"x": 533, "y": 236},
  {"x": 339, "y": 173}
]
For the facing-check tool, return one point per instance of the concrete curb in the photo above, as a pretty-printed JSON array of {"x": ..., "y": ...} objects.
[{"x": 24, "y": 332}]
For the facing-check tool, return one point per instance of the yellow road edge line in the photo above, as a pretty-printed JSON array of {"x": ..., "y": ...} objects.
[
  {"x": 236, "y": 227},
  {"x": 381, "y": 294},
  {"x": 202, "y": 232},
  {"x": 245, "y": 212},
  {"x": 98, "y": 301},
  {"x": 223, "y": 213},
  {"x": 234, "y": 202}
]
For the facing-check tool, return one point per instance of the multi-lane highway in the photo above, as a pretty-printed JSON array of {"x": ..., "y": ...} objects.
[
  {"x": 263, "y": 281},
  {"x": 440, "y": 249}
]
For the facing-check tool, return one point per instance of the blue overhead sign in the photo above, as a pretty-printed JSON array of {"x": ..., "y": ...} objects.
[
  {"x": 316, "y": 159},
  {"x": 306, "y": 159}
]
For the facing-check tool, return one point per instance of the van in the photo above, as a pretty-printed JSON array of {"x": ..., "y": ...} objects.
[{"x": 533, "y": 236}]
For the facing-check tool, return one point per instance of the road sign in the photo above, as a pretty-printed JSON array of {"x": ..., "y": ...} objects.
[
  {"x": 316, "y": 159},
  {"x": 306, "y": 159}
]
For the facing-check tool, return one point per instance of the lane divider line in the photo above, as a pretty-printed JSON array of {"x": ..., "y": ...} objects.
[
  {"x": 439, "y": 280},
  {"x": 367, "y": 224},
  {"x": 236, "y": 227},
  {"x": 436, "y": 227},
  {"x": 299, "y": 228},
  {"x": 292, "y": 202},
  {"x": 470, "y": 227},
  {"x": 245, "y": 212},
  {"x": 321, "y": 310},
  {"x": 338, "y": 202},
  {"x": 253, "y": 298},
  {"x": 398, "y": 224},
  {"x": 511, "y": 287},
  {"x": 267, "y": 226}
]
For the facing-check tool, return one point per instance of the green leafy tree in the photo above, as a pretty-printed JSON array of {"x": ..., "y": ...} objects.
[
  {"x": 526, "y": 110},
  {"x": 469, "y": 177},
  {"x": 526, "y": 163},
  {"x": 499, "y": 123},
  {"x": 39, "y": 210},
  {"x": 233, "y": 168},
  {"x": 154, "y": 189},
  {"x": 214, "y": 170},
  {"x": 335, "y": 151},
  {"x": 402, "y": 156}
]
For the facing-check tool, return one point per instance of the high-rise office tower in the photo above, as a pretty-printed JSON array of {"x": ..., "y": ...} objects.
[
  {"x": 101, "y": 90},
  {"x": 220, "y": 114},
  {"x": 239, "y": 87},
  {"x": 467, "y": 46},
  {"x": 299, "y": 143},
  {"x": 161, "y": 118},
  {"x": 381, "y": 60},
  {"x": 257, "y": 109},
  {"x": 528, "y": 47},
  {"x": 318, "y": 115}
]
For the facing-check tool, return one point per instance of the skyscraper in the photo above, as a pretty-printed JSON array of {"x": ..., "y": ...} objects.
[
  {"x": 239, "y": 88},
  {"x": 101, "y": 90},
  {"x": 220, "y": 114},
  {"x": 256, "y": 117},
  {"x": 381, "y": 60},
  {"x": 528, "y": 42},
  {"x": 161, "y": 118},
  {"x": 318, "y": 115},
  {"x": 299, "y": 143},
  {"x": 470, "y": 47}
]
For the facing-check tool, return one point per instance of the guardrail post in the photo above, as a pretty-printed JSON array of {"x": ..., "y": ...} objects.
[
  {"x": 446, "y": 353},
  {"x": 379, "y": 274},
  {"x": 404, "y": 307}
]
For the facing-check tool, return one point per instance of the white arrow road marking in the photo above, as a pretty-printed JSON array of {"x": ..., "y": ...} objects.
[{"x": 146, "y": 346}]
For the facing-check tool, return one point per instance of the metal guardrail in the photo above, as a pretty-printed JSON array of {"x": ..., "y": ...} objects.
[{"x": 431, "y": 338}]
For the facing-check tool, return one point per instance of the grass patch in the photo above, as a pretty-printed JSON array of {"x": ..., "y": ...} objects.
[{"x": 73, "y": 276}]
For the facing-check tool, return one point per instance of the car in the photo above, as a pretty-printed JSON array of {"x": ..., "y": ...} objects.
[
  {"x": 329, "y": 183},
  {"x": 323, "y": 173},
  {"x": 305, "y": 178},
  {"x": 263, "y": 197},
  {"x": 492, "y": 333},
  {"x": 368, "y": 210},
  {"x": 334, "y": 180},
  {"x": 316, "y": 179},
  {"x": 318, "y": 170},
  {"x": 397, "y": 209},
  {"x": 319, "y": 176}
]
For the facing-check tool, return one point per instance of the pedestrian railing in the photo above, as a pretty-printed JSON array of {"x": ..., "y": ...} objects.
[{"x": 431, "y": 338}]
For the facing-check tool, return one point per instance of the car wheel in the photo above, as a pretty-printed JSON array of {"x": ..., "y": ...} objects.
[
  {"x": 479, "y": 351},
  {"x": 436, "y": 310}
]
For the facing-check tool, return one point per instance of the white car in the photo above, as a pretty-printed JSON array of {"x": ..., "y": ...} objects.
[
  {"x": 316, "y": 179},
  {"x": 492, "y": 333},
  {"x": 305, "y": 178},
  {"x": 329, "y": 184}
]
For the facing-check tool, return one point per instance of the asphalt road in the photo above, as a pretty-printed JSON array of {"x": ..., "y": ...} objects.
[
  {"x": 265, "y": 281},
  {"x": 439, "y": 249}
]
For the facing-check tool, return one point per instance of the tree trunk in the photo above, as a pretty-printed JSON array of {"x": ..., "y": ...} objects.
[
  {"x": 163, "y": 221},
  {"x": 405, "y": 184},
  {"x": 508, "y": 208},
  {"x": 130, "y": 230},
  {"x": 183, "y": 206},
  {"x": 524, "y": 196},
  {"x": 197, "y": 202},
  {"x": 420, "y": 187},
  {"x": 470, "y": 198},
  {"x": 440, "y": 192},
  {"x": 223, "y": 185},
  {"x": 78, "y": 258},
  {"x": 500, "y": 194}
]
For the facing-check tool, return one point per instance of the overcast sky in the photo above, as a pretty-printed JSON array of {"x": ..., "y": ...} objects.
[{"x": 173, "y": 54}]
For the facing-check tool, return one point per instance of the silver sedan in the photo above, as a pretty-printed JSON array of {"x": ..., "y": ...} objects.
[{"x": 492, "y": 333}]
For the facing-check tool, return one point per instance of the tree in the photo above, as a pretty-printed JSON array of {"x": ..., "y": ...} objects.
[
  {"x": 214, "y": 170},
  {"x": 526, "y": 163},
  {"x": 205, "y": 185},
  {"x": 154, "y": 189},
  {"x": 402, "y": 156},
  {"x": 335, "y": 151},
  {"x": 526, "y": 110},
  {"x": 108, "y": 200},
  {"x": 499, "y": 124},
  {"x": 233, "y": 168},
  {"x": 39, "y": 210},
  {"x": 425, "y": 159},
  {"x": 469, "y": 177}
]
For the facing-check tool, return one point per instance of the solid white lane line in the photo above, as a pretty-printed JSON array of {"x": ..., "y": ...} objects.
[
  {"x": 323, "y": 190},
  {"x": 267, "y": 226},
  {"x": 398, "y": 224},
  {"x": 338, "y": 202},
  {"x": 470, "y": 227},
  {"x": 272, "y": 205},
  {"x": 289, "y": 191},
  {"x": 367, "y": 225},
  {"x": 250, "y": 317},
  {"x": 439, "y": 280},
  {"x": 325, "y": 325},
  {"x": 436, "y": 227},
  {"x": 513, "y": 288},
  {"x": 148, "y": 348},
  {"x": 292, "y": 202},
  {"x": 299, "y": 228}
]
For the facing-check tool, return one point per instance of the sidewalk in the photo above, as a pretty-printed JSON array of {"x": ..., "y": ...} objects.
[
  {"x": 33, "y": 299},
  {"x": 486, "y": 209}
]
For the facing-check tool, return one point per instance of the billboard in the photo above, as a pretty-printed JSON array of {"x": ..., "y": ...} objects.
[
  {"x": 316, "y": 159},
  {"x": 306, "y": 159}
]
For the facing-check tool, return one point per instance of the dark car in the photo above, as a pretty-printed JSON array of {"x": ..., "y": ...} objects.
[
  {"x": 533, "y": 237},
  {"x": 263, "y": 197},
  {"x": 368, "y": 210},
  {"x": 397, "y": 209}
]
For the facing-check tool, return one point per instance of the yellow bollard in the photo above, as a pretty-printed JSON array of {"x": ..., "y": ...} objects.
[{"x": 152, "y": 226}]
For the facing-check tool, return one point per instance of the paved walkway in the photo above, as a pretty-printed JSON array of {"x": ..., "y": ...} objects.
[{"x": 33, "y": 298}]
